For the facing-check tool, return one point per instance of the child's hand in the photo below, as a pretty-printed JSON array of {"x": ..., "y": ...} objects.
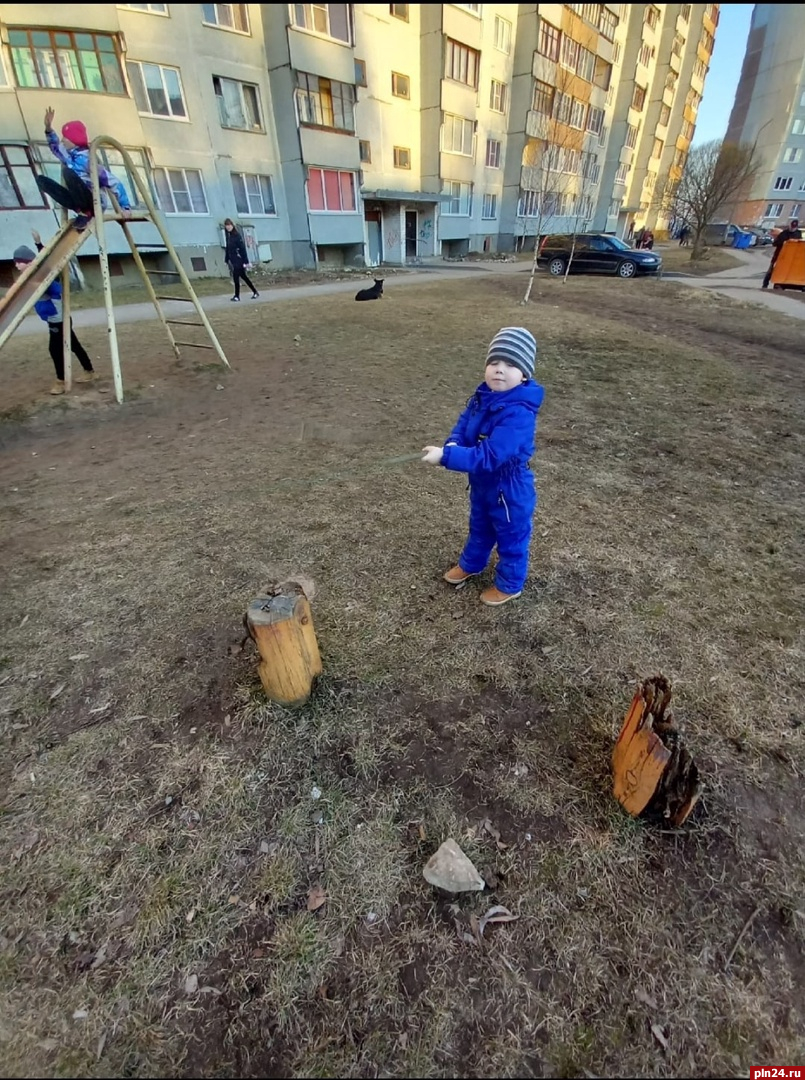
[
  {"x": 126, "y": 213},
  {"x": 36, "y": 236},
  {"x": 433, "y": 454},
  {"x": 49, "y": 115}
]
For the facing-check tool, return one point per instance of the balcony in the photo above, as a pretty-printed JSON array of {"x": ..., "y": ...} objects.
[
  {"x": 675, "y": 62},
  {"x": 536, "y": 124}
]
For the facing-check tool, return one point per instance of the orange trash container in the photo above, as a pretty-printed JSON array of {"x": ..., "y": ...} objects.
[{"x": 789, "y": 270}]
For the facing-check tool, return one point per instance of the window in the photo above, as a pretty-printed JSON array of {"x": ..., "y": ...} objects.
[
  {"x": 543, "y": 98},
  {"x": 331, "y": 190},
  {"x": 793, "y": 155},
  {"x": 671, "y": 80},
  {"x": 652, "y": 16},
  {"x": 489, "y": 210},
  {"x": 687, "y": 130},
  {"x": 18, "y": 190},
  {"x": 457, "y": 135},
  {"x": 631, "y": 136},
  {"x": 656, "y": 150},
  {"x": 646, "y": 54},
  {"x": 365, "y": 149},
  {"x": 402, "y": 157},
  {"x": 331, "y": 20},
  {"x": 796, "y": 209},
  {"x": 783, "y": 183},
  {"x": 706, "y": 41},
  {"x": 360, "y": 73},
  {"x": 621, "y": 173},
  {"x": 399, "y": 11},
  {"x": 614, "y": 207},
  {"x": 798, "y": 127},
  {"x": 503, "y": 34},
  {"x": 528, "y": 204},
  {"x": 62, "y": 59},
  {"x": 180, "y": 191},
  {"x": 238, "y": 104},
  {"x": 157, "y": 89},
  {"x": 595, "y": 120},
  {"x": 693, "y": 100},
  {"x": 589, "y": 167},
  {"x": 700, "y": 70},
  {"x": 475, "y": 9},
  {"x": 497, "y": 96},
  {"x": 561, "y": 108},
  {"x": 639, "y": 97},
  {"x": 462, "y": 63},
  {"x": 686, "y": 12},
  {"x": 677, "y": 45},
  {"x": 774, "y": 209},
  {"x": 802, "y": 99},
  {"x": 325, "y": 103},
  {"x": 603, "y": 73},
  {"x": 227, "y": 16},
  {"x": 608, "y": 23},
  {"x": 549, "y": 38},
  {"x": 400, "y": 85},
  {"x": 665, "y": 116},
  {"x": 492, "y": 154},
  {"x": 460, "y": 204},
  {"x": 680, "y": 157},
  {"x": 578, "y": 114},
  {"x": 152, "y": 9},
  {"x": 253, "y": 194}
]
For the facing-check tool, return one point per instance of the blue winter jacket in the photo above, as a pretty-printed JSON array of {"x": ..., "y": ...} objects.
[
  {"x": 49, "y": 306},
  {"x": 77, "y": 159},
  {"x": 495, "y": 434}
]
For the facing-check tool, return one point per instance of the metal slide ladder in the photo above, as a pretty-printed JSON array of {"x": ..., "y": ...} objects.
[{"x": 55, "y": 258}]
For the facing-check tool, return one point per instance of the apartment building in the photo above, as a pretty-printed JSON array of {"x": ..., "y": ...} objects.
[
  {"x": 769, "y": 111},
  {"x": 356, "y": 133}
]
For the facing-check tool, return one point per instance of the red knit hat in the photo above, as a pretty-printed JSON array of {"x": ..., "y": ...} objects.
[{"x": 75, "y": 131}]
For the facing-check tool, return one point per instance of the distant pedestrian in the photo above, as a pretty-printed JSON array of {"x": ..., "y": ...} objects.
[
  {"x": 237, "y": 258},
  {"x": 793, "y": 232},
  {"x": 648, "y": 240},
  {"x": 684, "y": 236}
]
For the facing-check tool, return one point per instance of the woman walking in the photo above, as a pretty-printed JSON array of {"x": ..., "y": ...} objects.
[{"x": 237, "y": 259}]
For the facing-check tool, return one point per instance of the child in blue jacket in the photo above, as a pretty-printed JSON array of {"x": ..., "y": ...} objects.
[
  {"x": 49, "y": 309},
  {"x": 76, "y": 192},
  {"x": 493, "y": 442}
]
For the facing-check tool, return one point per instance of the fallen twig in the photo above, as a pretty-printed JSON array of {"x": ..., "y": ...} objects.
[{"x": 740, "y": 937}]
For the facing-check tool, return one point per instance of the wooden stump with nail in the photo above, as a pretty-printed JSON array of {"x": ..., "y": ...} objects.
[{"x": 281, "y": 626}]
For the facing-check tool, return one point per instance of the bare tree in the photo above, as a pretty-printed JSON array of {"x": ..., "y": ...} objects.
[{"x": 713, "y": 175}]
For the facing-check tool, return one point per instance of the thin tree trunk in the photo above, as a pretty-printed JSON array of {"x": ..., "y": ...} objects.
[
  {"x": 533, "y": 273},
  {"x": 570, "y": 260}
]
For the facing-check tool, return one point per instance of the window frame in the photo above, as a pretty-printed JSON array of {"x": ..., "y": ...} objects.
[
  {"x": 795, "y": 157},
  {"x": 783, "y": 183},
  {"x": 546, "y": 94},
  {"x": 166, "y": 170},
  {"x": 502, "y": 96},
  {"x": 497, "y": 156},
  {"x": 507, "y": 34},
  {"x": 331, "y": 90},
  {"x": 397, "y": 157},
  {"x": 162, "y": 68},
  {"x": 230, "y": 29},
  {"x": 240, "y": 83},
  {"x": 360, "y": 72},
  {"x": 396, "y": 15},
  {"x": 494, "y": 201},
  {"x": 328, "y": 35},
  {"x": 260, "y": 177},
  {"x": 453, "y": 198},
  {"x": 54, "y": 49},
  {"x": 770, "y": 207},
  {"x": 8, "y": 168},
  {"x": 396, "y": 92},
  {"x": 550, "y": 36},
  {"x": 339, "y": 173},
  {"x": 608, "y": 21},
  {"x": 449, "y": 123},
  {"x": 365, "y": 160},
  {"x": 455, "y": 48},
  {"x": 145, "y": 9}
]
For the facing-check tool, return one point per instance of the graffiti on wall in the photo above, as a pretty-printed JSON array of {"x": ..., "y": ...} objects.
[
  {"x": 426, "y": 229},
  {"x": 392, "y": 237}
]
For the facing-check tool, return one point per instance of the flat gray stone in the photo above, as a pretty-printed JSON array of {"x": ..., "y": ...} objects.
[{"x": 451, "y": 870}]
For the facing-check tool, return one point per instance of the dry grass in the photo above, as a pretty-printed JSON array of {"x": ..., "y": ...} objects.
[
  {"x": 716, "y": 259},
  {"x": 172, "y": 835}
]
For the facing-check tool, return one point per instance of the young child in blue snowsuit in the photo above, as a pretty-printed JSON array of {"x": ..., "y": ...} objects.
[
  {"x": 493, "y": 442},
  {"x": 49, "y": 309},
  {"x": 76, "y": 192}
]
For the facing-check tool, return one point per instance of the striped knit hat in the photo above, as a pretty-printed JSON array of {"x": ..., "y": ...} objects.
[{"x": 515, "y": 345}]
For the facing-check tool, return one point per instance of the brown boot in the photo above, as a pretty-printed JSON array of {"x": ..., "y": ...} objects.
[
  {"x": 494, "y": 597},
  {"x": 456, "y": 576},
  {"x": 86, "y": 376},
  {"x": 58, "y": 387}
]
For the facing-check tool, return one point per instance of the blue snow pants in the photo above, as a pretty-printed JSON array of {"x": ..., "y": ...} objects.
[{"x": 501, "y": 512}]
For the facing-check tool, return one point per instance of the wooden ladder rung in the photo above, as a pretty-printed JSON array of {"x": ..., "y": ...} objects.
[
  {"x": 168, "y": 273},
  {"x": 187, "y": 299},
  {"x": 181, "y": 322},
  {"x": 194, "y": 345}
]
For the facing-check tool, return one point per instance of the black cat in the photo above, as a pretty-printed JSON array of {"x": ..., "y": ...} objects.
[{"x": 374, "y": 293}]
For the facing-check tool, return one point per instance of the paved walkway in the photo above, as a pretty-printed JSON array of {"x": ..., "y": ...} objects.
[{"x": 744, "y": 283}]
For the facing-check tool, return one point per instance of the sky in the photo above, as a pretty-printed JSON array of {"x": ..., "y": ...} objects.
[{"x": 725, "y": 70}]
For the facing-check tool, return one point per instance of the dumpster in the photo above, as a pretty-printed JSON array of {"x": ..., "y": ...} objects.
[
  {"x": 789, "y": 269},
  {"x": 742, "y": 239}
]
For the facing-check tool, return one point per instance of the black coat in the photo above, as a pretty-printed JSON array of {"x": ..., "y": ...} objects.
[{"x": 236, "y": 249}]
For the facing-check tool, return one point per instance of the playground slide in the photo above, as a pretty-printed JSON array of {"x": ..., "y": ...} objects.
[{"x": 24, "y": 293}]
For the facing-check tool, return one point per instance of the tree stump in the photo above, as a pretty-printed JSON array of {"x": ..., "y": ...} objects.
[
  {"x": 653, "y": 773},
  {"x": 281, "y": 627}
]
